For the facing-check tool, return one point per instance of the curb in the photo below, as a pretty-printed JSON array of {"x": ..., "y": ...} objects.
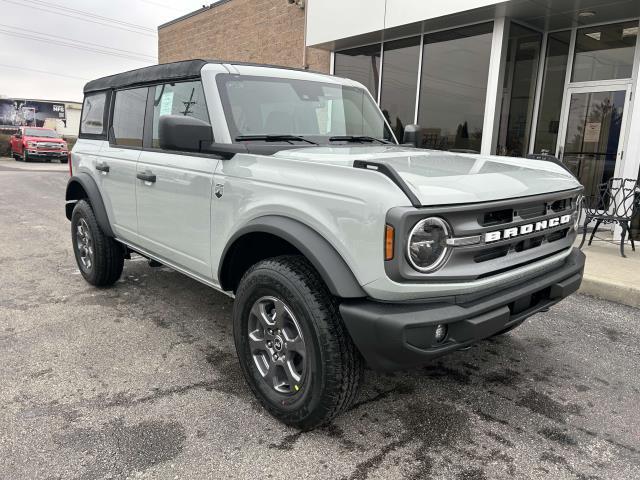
[{"x": 612, "y": 291}]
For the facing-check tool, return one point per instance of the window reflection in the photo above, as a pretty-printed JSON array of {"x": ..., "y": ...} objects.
[
  {"x": 455, "y": 70},
  {"x": 605, "y": 52},
  {"x": 360, "y": 64},
  {"x": 521, "y": 71},
  {"x": 555, "y": 72},
  {"x": 399, "y": 82}
]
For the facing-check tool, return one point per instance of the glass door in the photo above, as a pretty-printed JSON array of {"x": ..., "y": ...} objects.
[{"x": 593, "y": 132}]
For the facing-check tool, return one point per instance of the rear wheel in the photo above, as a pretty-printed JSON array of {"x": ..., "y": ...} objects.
[
  {"x": 294, "y": 349},
  {"x": 100, "y": 258}
]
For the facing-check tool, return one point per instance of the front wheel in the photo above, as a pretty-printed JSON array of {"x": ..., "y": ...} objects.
[
  {"x": 293, "y": 347},
  {"x": 100, "y": 258}
]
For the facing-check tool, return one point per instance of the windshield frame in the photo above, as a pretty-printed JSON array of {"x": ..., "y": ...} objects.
[
  {"x": 234, "y": 132},
  {"x": 38, "y": 131}
]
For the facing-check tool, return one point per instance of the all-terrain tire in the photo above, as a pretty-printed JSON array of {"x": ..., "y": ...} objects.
[
  {"x": 107, "y": 255},
  {"x": 333, "y": 368}
]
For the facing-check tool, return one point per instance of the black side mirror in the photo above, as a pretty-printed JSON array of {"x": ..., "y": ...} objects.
[
  {"x": 185, "y": 134},
  {"x": 411, "y": 135}
]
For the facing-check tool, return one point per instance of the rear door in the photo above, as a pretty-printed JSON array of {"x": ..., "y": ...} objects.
[
  {"x": 116, "y": 167},
  {"x": 174, "y": 188}
]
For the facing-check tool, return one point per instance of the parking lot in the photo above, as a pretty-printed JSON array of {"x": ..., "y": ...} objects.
[{"x": 141, "y": 381}]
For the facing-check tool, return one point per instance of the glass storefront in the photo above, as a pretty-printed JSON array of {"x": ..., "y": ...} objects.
[
  {"x": 399, "y": 83},
  {"x": 453, "y": 88},
  {"x": 521, "y": 72},
  {"x": 555, "y": 73}
]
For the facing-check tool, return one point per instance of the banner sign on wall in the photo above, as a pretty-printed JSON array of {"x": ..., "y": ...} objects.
[{"x": 15, "y": 113}]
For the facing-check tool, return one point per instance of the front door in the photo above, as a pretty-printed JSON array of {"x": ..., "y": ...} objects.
[
  {"x": 174, "y": 208},
  {"x": 592, "y": 136}
]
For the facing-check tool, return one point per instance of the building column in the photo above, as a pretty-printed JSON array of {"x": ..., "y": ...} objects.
[
  {"x": 495, "y": 86},
  {"x": 631, "y": 161}
]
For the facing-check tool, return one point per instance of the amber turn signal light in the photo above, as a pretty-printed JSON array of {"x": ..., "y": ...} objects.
[{"x": 389, "y": 233}]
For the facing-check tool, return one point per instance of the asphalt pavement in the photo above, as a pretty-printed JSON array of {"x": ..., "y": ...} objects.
[{"x": 141, "y": 381}]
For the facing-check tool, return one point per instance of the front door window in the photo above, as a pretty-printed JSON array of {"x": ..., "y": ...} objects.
[{"x": 593, "y": 135}]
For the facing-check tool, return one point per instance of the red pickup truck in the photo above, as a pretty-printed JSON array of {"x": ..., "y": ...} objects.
[{"x": 31, "y": 143}]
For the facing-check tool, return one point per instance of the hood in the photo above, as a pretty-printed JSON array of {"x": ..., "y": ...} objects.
[
  {"x": 30, "y": 138},
  {"x": 445, "y": 178}
]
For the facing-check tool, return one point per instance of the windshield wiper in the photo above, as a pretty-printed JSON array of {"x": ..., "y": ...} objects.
[
  {"x": 273, "y": 138},
  {"x": 357, "y": 139}
]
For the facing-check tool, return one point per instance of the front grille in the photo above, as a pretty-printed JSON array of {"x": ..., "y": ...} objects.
[
  {"x": 49, "y": 146},
  {"x": 492, "y": 257},
  {"x": 492, "y": 237}
]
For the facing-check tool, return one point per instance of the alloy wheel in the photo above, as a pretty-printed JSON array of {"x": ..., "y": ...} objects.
[
  {"x": 84, "y": 243},
  {"x": 277, "y": 345}
]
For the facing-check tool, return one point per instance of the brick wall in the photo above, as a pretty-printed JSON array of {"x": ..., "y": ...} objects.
[{"x": 260, "y": 31}]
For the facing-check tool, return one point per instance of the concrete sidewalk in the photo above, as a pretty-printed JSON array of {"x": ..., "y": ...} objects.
[{"x": 609, "y": 276}]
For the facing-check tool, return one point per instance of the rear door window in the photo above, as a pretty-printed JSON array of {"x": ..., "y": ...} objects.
[
  {"x": 184, "y": 98},
  {"x": 128, "y": 117},
  {"x": 92, "y": 122}
]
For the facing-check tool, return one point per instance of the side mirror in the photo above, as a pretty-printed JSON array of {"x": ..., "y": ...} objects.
[
  {"x": 411, "y": 135},
  {"x": 186, "y": 134}
]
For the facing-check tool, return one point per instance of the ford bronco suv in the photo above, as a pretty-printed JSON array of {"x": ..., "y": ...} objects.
[{"x": 288, "y": 191}]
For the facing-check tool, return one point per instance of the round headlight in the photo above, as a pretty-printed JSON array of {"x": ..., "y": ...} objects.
[
  {"x": 427, "y": 249},
  {"x": 578, "y": 212}
]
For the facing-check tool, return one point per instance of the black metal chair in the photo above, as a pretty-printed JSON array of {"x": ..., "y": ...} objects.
[{"x": 618, "y": 201}]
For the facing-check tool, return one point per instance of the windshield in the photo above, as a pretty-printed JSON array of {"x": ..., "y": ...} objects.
[
  {"x": 40, "y": 132},
  {"x": 316, "y": 111}
]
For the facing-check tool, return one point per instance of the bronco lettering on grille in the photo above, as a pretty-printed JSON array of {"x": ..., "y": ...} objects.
[{"x": 526, "y": 229}]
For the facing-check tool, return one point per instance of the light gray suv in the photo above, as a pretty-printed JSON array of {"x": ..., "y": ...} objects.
[{"x": 287, "y": 190}]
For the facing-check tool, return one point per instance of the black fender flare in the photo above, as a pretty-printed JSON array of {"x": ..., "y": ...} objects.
[
  {"x": 88, "y": 184},
  {"x": 325, "y": 259}
]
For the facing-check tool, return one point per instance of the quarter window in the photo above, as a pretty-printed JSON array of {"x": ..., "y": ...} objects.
[
  {"x": 92, "y": 122},
  {"x": 185, "y": 98},
  {"x": 128, "y": 117}
]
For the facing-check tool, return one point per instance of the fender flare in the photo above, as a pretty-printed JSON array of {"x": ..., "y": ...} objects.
[
  {"x": 89, "y": 185},
  {"x": 325, "y": 259}
]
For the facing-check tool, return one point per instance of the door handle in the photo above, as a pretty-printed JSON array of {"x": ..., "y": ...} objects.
[
  {"x": 102, "y": 167},
  {"x": 146, "y": 177}
]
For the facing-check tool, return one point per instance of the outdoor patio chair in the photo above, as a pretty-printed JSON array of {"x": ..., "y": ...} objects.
[{"x": 618, "y": 201}]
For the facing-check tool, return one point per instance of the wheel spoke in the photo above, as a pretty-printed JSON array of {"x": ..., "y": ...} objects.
[
  {"x": 293, "y": 378},
  {"x": 255, "y": 342},
  {"x": 270, "y": 375},
  {"x": 260, "y": 313},
  {"x": 280, "y": 313},
  {"x": 296, "y": 345}
]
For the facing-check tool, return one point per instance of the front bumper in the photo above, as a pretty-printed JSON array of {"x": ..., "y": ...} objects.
[
  {"x": 48, "y": 154},
  {"x": 392, "y": 336}
]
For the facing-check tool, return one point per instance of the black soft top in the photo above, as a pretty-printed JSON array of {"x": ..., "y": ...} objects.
[
  {"x": 153, "y": 74},
  {"x": 165, "y": 72}
]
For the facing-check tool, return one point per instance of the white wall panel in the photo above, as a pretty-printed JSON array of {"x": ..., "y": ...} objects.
[
  {"x": 328, "y": 20},
  {"x": 401, "y": 12}
]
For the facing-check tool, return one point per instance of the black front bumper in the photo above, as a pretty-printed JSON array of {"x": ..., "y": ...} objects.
[{"x": 392, "y": 336}]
